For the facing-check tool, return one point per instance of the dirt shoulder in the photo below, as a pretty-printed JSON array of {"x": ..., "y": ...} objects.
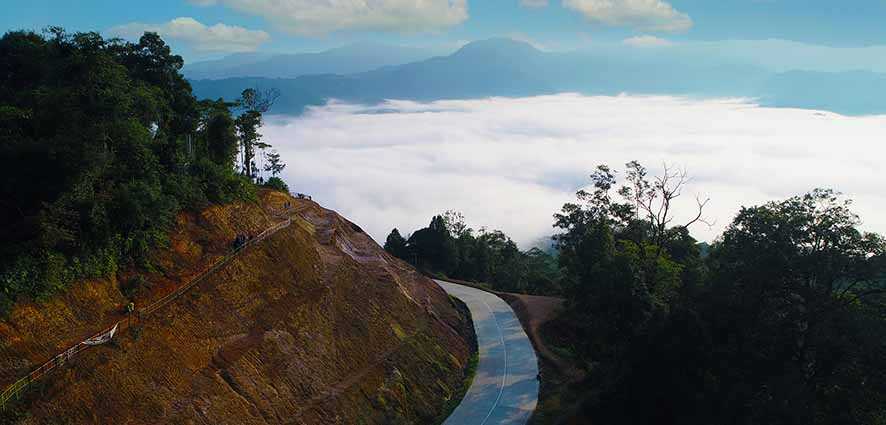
[{"x": 533, "y": 312}]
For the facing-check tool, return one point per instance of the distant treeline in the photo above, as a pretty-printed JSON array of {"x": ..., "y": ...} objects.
[
  {"x": 782, "y": 321},
  {"x": 102, "y": 144},
  {"x": 449, "y": 247}
]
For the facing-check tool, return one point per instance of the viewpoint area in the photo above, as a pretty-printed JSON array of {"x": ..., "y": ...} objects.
[{"x": 460, "y": 212}]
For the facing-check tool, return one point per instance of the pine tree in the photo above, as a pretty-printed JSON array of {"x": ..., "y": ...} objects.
[
  {"x": 275, "y": 165},
  {"x": 396, "y": 245}
]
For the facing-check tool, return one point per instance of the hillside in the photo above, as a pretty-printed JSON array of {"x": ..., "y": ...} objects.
[{"x": 316, "y": 324}]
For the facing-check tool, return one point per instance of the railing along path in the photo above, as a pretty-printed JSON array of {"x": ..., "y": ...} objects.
[{"x": 16, "y": 389}]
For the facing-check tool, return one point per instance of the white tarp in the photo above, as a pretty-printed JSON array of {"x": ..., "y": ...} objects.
[{"x": 103, "y": 338}]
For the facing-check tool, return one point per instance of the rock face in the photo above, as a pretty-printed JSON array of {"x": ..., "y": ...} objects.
[{"x": 316, "y": 324}]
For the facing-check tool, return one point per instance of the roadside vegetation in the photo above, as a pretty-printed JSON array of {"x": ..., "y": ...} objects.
[
  {"x": 782, "y": 320},
  {"x": 450, "y": 248},
  {"x": 103, "y": 143}
]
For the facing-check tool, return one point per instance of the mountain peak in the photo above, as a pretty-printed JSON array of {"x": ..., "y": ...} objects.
[{"x": 498, "y": 47}]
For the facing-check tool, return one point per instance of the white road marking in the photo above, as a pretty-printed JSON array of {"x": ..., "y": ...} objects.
[
  {"x": 514, "y": 402},
  {"x": 504, "y": 376}
]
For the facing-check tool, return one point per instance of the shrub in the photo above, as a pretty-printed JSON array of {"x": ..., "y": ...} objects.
[
  {"x": 277, "y": 183},
  {"x": 134, "y": 285}
]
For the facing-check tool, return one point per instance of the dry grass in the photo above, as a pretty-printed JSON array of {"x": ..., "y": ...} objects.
[{"x": 315, "y": 325}]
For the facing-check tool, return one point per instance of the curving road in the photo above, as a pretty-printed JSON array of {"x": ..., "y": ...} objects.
[{"x": 505, "y": 388}]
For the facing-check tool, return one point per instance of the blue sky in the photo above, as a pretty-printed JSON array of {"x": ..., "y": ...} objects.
[{"x": 219, "y": 27}]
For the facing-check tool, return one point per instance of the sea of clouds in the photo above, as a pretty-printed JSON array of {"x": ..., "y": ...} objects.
[{"x": 510, "y": 164}]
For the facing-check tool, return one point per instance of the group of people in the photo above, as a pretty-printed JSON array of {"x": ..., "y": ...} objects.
[{"x": 241, "y": 238}]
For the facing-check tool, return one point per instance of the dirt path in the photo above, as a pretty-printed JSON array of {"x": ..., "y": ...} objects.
[{"x": 534, "y": 311}]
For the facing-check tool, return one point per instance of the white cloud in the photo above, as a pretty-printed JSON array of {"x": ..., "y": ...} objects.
[
  {"x": 312, "y": 17},
  {"x": 534, "y": 3},
  {"x": 216, "y": 38},
  {"x": 512, "y": 163},
  {"x": 646, "y": 15},
  {"x": 647, "y": 41}
]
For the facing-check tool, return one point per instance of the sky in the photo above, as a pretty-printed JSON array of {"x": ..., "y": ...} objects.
[
  {"x": 511, "y": 163},
  {"x": 203, "y": 29}
]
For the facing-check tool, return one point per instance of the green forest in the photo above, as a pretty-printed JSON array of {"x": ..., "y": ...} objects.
[
  {"x": 103, "y": 143},
  {"x": 450, "y": 248},
  {"x": 782, "y": 320}
]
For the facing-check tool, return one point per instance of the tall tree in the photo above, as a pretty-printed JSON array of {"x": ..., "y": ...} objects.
[
  {"x": 275, "y": 165},
  {"x": 221, "y": 138},
  {"x": 433, "y": 246},
  {"x": 395, "y": 244},
  {"x": 247, "y": 128},
  {"x": 254, "y": 102}
]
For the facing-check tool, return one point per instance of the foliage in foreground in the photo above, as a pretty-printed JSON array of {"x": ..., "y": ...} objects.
[
  {"x": 783, "y": 323},
  {"x": 102, "y": 143}
]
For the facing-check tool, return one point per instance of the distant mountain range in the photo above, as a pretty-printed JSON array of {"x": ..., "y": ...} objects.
[
  {"x": 358, "y": 57},
  {"x": 505, "y": 67}
]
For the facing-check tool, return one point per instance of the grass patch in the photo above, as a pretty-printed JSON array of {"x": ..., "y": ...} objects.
[
  {"x": 398, "y": 331},
  {"x": 459, "y": 395}
]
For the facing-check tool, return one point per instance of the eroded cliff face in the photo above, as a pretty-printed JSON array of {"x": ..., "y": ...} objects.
[{"x": 316, "y": 324}]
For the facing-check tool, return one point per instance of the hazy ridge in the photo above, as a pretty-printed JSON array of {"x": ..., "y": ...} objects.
[{"x": 504, "y": 67}]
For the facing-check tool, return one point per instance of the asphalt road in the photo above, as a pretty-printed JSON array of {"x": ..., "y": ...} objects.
[{"x": 505, "y": 388}]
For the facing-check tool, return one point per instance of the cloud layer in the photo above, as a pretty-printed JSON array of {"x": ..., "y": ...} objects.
[
  {"x": 311, "y": 17},
  {"x": 645, "y": 15},
  {"x": 202, "y": 38},
  {"x": 512, "y": 163}
]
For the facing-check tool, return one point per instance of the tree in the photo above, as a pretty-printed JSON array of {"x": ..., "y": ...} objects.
[
  {"x": 255, "y": 99},
  {"x": 275, "y": 165},
  {"x": 115, "y": 130},
  {"x": 221, "y": 139},
  {"x": 618, "y": 250},
  {"x": 395, "y": 244},
  {"x": 798, "y": 285},
  {"x": 247, "y": 128},
  {"x": 784, "y": 322},
  {"x": 542, "y": 273},
  {"x": 433, "y": 247},
  {"x": 254, "y": 102},
  {"x": 642, "y": 223},
  {"x": 448, "y": 245},
  {"x": 455, "y": 223}
]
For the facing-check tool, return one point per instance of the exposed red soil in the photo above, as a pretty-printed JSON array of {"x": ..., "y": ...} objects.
[{"x": 315, "y": 325}]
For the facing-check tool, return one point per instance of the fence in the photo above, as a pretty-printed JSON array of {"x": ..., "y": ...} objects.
[{"x": 15, "y": 390}]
